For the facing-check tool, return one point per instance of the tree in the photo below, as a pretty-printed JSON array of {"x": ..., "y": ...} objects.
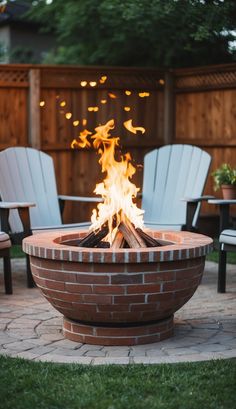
[{"x": 163, "y": 33}]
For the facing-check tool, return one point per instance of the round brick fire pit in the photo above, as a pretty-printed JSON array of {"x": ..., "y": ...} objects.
[{"x": 117, "y": 297}]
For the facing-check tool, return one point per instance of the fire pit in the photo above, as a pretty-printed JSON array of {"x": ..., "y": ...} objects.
[
  {"x": 115, "y": 284},
  {"x": 117, "y": 296}
]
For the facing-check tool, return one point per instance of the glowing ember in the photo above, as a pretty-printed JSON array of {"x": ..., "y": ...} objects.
[
  {"x": 128, "y": 125},
  {"x": 143, "y": 94},
  {"x": 111, "y": 95}
]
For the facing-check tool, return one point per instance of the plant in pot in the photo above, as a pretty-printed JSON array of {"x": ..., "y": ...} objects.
[{"x": 225, "y": 178}]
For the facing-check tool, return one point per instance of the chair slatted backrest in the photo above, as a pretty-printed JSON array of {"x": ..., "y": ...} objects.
[
  {"x": 171, "y": 173},
  {"x": 27, "y": 175}
]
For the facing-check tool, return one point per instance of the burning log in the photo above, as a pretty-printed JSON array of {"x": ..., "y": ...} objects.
[
  {"x": 103, "y": 245},
  {"x": 118, "y": 241},
  {"x": 150, "y": 241},
  {"x": 131, "y": 235},
  {"x": 93, "y": 239},
  {"x": 126, "y": 236}
]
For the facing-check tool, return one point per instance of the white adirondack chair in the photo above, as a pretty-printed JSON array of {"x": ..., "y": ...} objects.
[
  {"x": 173, "y": 183},
  {"x": 27, "y": 175}
]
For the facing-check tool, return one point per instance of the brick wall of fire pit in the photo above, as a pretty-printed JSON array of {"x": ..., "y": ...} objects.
[{"x": 117, "y": 297}]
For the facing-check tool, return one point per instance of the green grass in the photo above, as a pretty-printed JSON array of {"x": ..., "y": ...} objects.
[
  {"x": 214, "y": 255},
  {"x": 16, "y": 251},
  {"x": 34, "y": 385}
]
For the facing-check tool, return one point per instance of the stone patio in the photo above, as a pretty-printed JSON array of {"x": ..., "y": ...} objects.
[{"x": 205, "y": 328}]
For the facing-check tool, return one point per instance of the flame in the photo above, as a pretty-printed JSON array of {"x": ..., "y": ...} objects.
[
  {"x": 116, "y": 189},
  {"x": 128, "y": 125},
  {"x": 83, "y": 140}
]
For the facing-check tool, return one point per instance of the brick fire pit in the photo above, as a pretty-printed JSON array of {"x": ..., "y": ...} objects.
[{"x": 117, "y": 297}]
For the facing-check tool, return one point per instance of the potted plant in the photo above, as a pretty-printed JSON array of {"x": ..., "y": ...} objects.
[{"x": 225, "y": 178}]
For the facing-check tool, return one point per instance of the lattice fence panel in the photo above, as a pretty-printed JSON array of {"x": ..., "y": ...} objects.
[
  {"x": 14, "y": 77},
  {"x": 206, "y": 80}
]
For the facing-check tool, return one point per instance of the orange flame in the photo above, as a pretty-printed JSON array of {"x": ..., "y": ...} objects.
[
  {"x": 116, "y": 189},
  {"x": 83, "y": 140},
  {"x": 128, "y": 125}
]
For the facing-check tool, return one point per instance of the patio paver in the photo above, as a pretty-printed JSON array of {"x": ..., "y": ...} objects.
[{"x": 205, "y": 327}]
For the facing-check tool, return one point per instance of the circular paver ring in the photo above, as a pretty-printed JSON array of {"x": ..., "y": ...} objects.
[{"x": 205, "y": 328}]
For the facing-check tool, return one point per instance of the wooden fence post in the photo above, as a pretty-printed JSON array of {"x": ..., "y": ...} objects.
[
  {"x": 34, "y": 108},
  {"x": 169, "y": 108}
]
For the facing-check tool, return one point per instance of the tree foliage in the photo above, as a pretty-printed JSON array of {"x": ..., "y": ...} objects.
[{"x": 163, "y": 33}]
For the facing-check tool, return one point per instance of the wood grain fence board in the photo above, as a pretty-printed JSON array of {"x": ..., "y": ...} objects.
[{"x": 13, "y": 117}]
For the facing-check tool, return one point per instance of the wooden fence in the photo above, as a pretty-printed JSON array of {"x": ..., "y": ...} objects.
[{"x": 47, "y": 106}]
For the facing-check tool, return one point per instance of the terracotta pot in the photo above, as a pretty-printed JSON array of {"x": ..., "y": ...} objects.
[{"x": 229, "y": 192}]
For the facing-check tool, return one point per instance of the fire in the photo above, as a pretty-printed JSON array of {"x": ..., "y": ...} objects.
[
  {"x": 116, "y": 189},
  {"x": 83, "y": 140},
  {"x": 128, "y": 125}
]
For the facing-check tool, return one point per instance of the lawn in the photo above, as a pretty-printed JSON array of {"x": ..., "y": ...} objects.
[{"x": 34, "y": 385}]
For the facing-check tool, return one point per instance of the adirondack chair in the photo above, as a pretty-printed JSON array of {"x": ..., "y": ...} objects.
[
  {"x": 5, "y": 245},
  {"x": 27, "y": 175},
  {"x": 173, "y": 182},
  {"x": 5, "y": 242}
]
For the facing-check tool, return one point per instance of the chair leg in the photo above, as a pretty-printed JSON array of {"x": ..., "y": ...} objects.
[
  {"x": 30, "y": 280},
  {"x": 222, "y": 271},
  {"x": 7, "y": 272}
]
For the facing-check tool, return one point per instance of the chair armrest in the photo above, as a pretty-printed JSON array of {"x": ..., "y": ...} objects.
[
  {"x": 63, "y": 198},
  {"x": 23, "y": 210},
  {"x": 16, "y": 205},
  {"x": 197, "y": 199},
  {"x": 80, "y": 198},
  {"x": 192, "y": 205},
  {"x": 222, "y": 201}
]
